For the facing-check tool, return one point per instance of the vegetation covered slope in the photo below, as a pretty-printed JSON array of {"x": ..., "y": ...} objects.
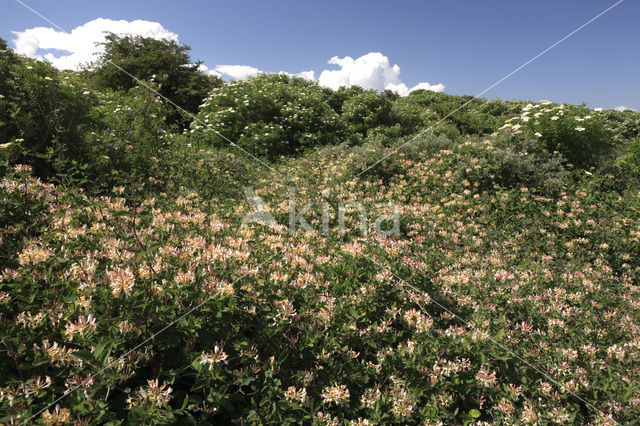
[{"x": 508, "y": 295}]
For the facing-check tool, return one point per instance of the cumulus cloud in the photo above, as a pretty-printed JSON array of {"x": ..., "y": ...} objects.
[
  {"x": 205, "y": 69},
  {"x": 370, "y": 71},
  {"x": 239, "y": 72},
  {"x": 82, "y": 46},
  {"x": 623, "y": 108},
  {"x": 402, "y": 89},
  {"x": 81, "y": 42},
  {"x": 307, "y": 75}
]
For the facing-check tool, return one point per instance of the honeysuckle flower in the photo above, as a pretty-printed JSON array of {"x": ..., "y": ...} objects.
[
  {"x": 80, "y": 326},
  {"x": 403, "y": 403},
  {"x": 370, "y": 397},
  {"x": 217, "y": 356},
  {"x": 57, "y": 416},
  {"x": 486, "y": 378},
  {"x": 154, "y": 394},
  {"x": 34, "y": 254},
  {"x": 337, "y": 394},
  {"x": 121, "y": 280},
  {"x": 295, "y": 394}
]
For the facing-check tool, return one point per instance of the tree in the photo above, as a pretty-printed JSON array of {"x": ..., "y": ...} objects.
[{"x": 165, "y": 62}]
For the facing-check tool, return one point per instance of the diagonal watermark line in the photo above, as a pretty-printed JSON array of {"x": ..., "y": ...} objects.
[
  {"x": 147, "y": 340},
  {"x": 142, "y": 83},
  {"x": 590, "y": 21},
  {"x": 494, "y": 341}
]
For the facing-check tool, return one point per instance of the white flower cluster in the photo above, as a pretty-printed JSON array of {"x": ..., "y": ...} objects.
[{"x": 538, "y": 111}]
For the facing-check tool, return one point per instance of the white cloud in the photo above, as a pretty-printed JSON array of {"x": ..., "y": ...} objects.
[
  {"x": 426, "y": 86},
  {"x": 205, "y": 69},
  {"x": 402, "y": 89},
  {"x": 239, "y": 72},
  {"x": 623, "y": 108},
  {"x": 370, "y": 71},
  {"x": 81, "y": 41},
  {"x": 307, "y": 75}
]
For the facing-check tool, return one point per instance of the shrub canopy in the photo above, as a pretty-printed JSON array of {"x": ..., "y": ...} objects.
[{"x": 269, "y": 115}]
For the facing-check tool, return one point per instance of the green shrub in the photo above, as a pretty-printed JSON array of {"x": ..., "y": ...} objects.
[
  {"x": 270, "y": 115},
  {"x": 386, "y": 136},
  {"x": 368, "y": 110},
  {"x": 40, "y": 109},
  {"x": 128, "y": 137},
  {"x": 447, "y": 129},
  {"x": 470, "y": 116},
  {"x": 337, "y": 98},
  {"x": 425, "y": 146},
  {"x": 631, "y": 160},
  {"x": 217, "y": 175},
  {"x": 412, "y": 116},
  {"x": 9, "y": 62},
  {"x": 625, "y": 125},
  {"x": 512, "y": 162},
  {"x": 371, "y": 157},
  {"x": 576, "y": 132}
]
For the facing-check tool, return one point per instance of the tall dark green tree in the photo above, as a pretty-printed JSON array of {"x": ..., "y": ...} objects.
[{"x": 166, "y": 62}]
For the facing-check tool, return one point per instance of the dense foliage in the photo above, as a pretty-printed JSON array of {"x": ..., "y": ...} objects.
[
  {"x": 167, "y": 63},
  {"x": 575, "y": 131},
  {"x": 131, "y": 294},
  {"x": 270, "y": 115},
  {"x": 40, "y": 110},
  {"x": 368, "y": 110}
]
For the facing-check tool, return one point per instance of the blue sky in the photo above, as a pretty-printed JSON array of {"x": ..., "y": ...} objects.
[{"x": 465, "y": 45}]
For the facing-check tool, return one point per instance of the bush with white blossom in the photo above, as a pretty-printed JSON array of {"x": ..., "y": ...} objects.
[
  {"x": 574, "y": 131},
  {"x": 269, "y": 116}
]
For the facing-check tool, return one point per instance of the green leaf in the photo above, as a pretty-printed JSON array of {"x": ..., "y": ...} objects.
[
  {"x": 100, "y": 347},
  {"x": 185, "y": 402}
]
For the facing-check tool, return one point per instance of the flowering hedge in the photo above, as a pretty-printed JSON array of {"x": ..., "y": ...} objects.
[
  {"x": 518, "y": 307},
  {"x": 269, "y": 115},
  {"x": 576, "y": 132}
]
